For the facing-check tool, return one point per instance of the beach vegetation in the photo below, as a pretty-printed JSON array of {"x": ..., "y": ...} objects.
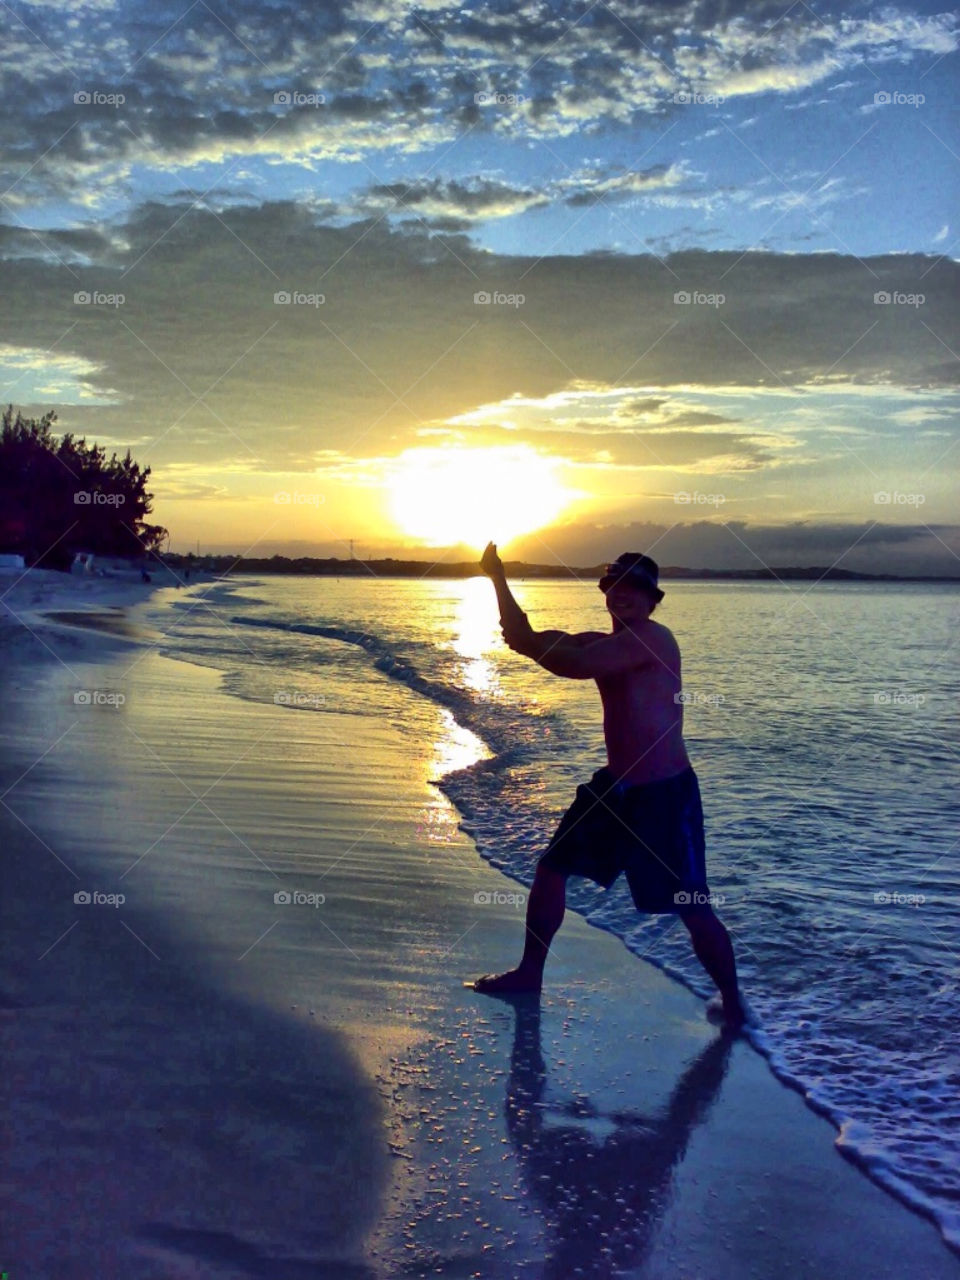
[{"x": 60, "y": 496}]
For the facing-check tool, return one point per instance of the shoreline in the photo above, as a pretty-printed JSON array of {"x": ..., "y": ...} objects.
[
  {"x": 309, "y": 567},
  {"x": 481, "y": 1102}
]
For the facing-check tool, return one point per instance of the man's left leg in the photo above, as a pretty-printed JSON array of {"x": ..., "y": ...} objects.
[
  {"x": 545, "y": 912},
  {"x": 713, "y": 949}
]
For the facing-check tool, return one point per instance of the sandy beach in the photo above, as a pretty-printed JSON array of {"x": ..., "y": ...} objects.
[
  {"x": 238, "y": 1042},
  {"x": 30, "y": 600}
]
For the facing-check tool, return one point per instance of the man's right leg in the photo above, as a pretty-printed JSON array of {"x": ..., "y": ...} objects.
[
  {"x": 545, "y": 910},
  {"x": 712, "y": 946}
]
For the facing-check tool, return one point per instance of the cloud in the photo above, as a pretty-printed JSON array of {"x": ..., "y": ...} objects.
[
  {"x": 588, "y": 189},
  {"x": 54, "y": 375},
  {"x": 615, "y": 427},
  {"x": 775, "y": 77},
  {"x": 85, "y": 244},
  {"x": 449, "y": 201},
  {"x": 201, "y": 358},
  {"x": 452, "y": 204},
  {"x": 199, "y": 88},
  {"x": 867, "y": 547}
]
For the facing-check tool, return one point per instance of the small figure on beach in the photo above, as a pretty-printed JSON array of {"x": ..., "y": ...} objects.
[{"x": 640, "y": 814}]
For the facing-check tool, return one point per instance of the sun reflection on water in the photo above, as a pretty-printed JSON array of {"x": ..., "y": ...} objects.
[
  {"x": 475, "y": 630},
  {"x": 454, "y": 748},
  {"x": 474, "y": 627}
]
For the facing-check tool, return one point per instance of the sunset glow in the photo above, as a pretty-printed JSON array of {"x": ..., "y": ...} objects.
[{"x": 470, "y": 496}]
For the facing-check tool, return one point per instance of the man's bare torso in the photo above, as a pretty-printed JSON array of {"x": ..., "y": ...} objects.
[{"x": 642, "y": 719}]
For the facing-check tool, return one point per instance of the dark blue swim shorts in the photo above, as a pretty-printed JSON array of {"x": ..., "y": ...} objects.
[{"x": 652, "y": 831}]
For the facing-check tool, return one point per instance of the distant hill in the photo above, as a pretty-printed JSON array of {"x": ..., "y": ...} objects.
[{"x": 391, "y": 568}]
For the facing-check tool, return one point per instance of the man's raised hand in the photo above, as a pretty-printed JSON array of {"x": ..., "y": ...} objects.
[{"x": 490, "y": 561}]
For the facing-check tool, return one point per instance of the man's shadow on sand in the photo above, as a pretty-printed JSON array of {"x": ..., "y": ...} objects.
[{"x": 619, "y": 1185}]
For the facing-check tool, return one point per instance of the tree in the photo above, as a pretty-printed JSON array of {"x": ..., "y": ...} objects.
[{"x": 61, "y": 496}]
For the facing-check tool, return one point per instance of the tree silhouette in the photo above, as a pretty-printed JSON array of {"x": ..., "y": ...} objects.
[{"x": 61, "y": 496}]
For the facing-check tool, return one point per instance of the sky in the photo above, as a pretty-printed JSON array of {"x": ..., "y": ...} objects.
[{"x": 581, "y": 278}]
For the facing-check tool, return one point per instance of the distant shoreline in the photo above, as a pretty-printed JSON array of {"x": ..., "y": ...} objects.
[{"x": 393, "y": 568}]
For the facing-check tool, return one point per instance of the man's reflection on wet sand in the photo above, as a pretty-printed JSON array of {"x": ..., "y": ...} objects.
[{"x": 601, "y": 1197}]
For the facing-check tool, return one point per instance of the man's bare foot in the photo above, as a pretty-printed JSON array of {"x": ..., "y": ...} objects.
[
  {"x": 731, "y": 1012},
  {"x": 513, "y": 983}
]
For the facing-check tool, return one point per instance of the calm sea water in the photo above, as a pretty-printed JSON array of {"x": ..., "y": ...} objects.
[{"x": 822, "y": 723}]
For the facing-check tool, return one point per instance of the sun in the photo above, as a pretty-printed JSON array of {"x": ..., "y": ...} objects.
[{"x": 449, "y": 496}]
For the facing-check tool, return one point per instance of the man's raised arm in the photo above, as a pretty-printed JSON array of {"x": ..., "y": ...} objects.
[
  {"x": 512, "y": 618},
  {"x": 579, "y": 657}
]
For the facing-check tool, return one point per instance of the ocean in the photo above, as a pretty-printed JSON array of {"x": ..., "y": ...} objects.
[{"x": 821, "y": 721}]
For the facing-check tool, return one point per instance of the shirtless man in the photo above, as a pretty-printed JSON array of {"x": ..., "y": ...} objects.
[{"x": 641, "y": 813}]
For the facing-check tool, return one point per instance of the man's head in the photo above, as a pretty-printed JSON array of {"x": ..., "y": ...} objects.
[{"x": 630, "y": 587}]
